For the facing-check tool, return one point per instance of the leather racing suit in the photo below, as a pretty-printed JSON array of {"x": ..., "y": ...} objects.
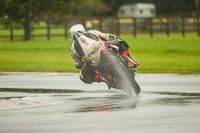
[{"x": 85, "y": 50}]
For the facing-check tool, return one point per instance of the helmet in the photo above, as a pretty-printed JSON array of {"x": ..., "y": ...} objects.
[{"x": 75, "y": 28}]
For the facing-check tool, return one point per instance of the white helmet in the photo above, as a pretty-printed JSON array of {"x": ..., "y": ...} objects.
[{"x": 75, "y": 28}]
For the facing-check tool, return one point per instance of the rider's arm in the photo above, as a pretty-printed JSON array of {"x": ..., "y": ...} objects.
[
  {"x": 77, "y": 61},
  {"x": 104, "y": 36}
]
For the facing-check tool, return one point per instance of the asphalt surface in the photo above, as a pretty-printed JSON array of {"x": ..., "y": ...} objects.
[{"x": 167, "y": 103}]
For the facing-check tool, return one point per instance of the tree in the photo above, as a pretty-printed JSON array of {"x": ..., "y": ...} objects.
[
  {"x": 114, "y": 5},
  {"x": 22, "y": 12},
  {"x": 2, "y": 7},
  {"x": 25, "y": 12},
  {"x": 173, "y": 7},
  {"x": 163, "y": 7},
  {"x": 90, "y": 8}
]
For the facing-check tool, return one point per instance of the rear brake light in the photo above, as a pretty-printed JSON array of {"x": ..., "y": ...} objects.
[{"x": 104, "y": 48}]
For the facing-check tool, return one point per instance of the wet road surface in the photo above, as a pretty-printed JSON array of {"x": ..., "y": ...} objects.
[{"x": 167, "y": 103}]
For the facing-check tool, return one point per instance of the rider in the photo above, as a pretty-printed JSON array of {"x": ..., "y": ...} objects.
[{"x": 85, "y": 52}]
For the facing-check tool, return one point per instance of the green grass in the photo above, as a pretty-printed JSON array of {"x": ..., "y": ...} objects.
[
  {"x": 39, "y": 56},
  {"x": 52, "y": 31},
  {"x": 159, "y": 54},
  {"x": 37, "y": 31},
  {"x": 162, "y": 54}
]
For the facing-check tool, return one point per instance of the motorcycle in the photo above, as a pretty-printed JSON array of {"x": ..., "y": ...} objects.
[{"x": 122, "y": 76}]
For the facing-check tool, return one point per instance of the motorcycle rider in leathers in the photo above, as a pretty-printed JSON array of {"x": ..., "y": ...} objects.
[{"x": 85, "y": 50}]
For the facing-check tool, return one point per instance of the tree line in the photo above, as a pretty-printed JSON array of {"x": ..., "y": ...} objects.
[
  {"x": 163, "y": 7},
  {"x": 27, "y": 12}
]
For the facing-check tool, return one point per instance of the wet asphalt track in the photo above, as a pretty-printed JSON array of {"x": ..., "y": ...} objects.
[{"x": 168, "y": 103}]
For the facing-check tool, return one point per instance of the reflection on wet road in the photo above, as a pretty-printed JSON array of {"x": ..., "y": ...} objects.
[
  {"x": 78, "y": 102},
  {"x": 167, "y": 103},
  {"x": 176, "y": 98},
  {"x": 107, "y": 103},
  {"x": 102, "y": 101}
]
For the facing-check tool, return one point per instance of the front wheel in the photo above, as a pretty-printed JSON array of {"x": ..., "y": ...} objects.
[
  {"x": 126, "y": 79},
  {"x": 122, "y": 78}
]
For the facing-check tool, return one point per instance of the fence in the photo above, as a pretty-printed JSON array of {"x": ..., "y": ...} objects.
[
  {"x": 36, "y": 32},
  {"x": 114, "y": 25},
  {"x": 148, "y": 25}
]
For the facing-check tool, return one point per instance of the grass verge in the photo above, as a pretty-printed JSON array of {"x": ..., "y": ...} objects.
[{"x": 159, "y": 54}]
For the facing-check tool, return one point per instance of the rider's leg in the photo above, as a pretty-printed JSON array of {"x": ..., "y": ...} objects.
[
  {"x": 100, "y": 78},
  {"x": 123, "y": 50},
  {"x": 130, "y": 61},
  {"x": 89, "y": 75}
]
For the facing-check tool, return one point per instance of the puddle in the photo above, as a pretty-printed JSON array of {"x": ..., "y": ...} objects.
[
  {"x": 38, "y": 90},
  {"x": 107, "y": 103}
]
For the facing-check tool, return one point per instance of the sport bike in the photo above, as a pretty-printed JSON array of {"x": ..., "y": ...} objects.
[{"x": 122, "y": 76}]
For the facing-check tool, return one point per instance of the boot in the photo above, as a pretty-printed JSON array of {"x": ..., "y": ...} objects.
[
  {"x": 130, "y": 62},
  {"x": 99, "y": 78}
]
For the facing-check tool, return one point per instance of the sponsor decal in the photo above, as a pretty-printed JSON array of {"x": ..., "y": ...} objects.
[
  {"x": 96, "y": 49},
  {"x": 83, "y": 41}
]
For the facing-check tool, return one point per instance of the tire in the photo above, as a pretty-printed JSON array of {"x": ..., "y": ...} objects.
[{"x": 122, "y": 78}]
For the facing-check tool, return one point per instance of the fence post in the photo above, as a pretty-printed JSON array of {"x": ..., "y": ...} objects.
[
  {"x": 135, "y": 27},
  {"x": 117, "y": 27},
  {"x": 150, "y": 27},
  {"x": 65, "y": 32},
  {"x": 83, "y": 21},
  {"x": 161, "y": 24},
  {"x": 167, "y": 27},
  {"x": 11, "y": 32},
  {"x": 100, "y": 24},
  {"x": 48, "y": 30},
  {"x": 198, "y": 26},
  {"x": 183, "y": 26},
  {"x": 194, "y": 22},
  {"x": 197, "y": 16},
  {"x": 32, "y": 34},
  {"x": 112, "y": 26}
]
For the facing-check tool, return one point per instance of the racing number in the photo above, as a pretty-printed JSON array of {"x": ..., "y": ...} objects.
[{"x": 84, "y": 41}]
